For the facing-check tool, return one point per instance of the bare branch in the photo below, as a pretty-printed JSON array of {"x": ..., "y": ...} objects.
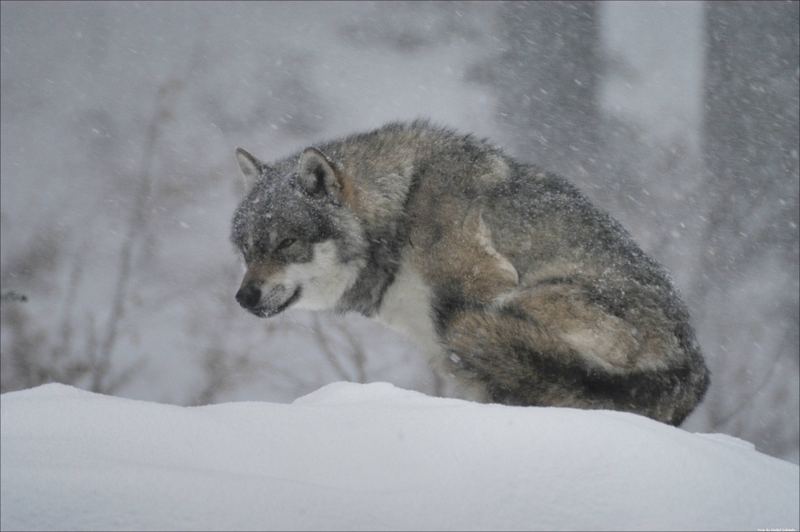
[{"x": 323, "y": 341}]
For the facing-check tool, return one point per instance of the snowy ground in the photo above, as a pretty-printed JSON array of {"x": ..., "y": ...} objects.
[{"x": 372, "y": 457}]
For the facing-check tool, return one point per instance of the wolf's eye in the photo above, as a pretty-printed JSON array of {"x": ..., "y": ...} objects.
[{"x": 285, "y": 243}]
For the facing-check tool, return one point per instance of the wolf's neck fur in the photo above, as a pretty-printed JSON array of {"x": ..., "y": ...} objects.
[
  {"x": 385, "y": 245},
  {"x": 384, "y": 188}
]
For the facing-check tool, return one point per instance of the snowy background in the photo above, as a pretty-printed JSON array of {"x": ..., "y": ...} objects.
[{"x": 119, "y": 122}]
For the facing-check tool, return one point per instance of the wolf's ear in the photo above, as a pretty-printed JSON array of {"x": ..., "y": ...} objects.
[
  {"x": 319, "y": 175},
  {"x": 251, "y": 167}
]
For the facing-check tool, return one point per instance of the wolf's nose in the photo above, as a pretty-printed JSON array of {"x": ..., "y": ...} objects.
[{"x": 248, "y": 296}]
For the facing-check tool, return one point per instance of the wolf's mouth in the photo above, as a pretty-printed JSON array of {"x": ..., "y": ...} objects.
[{"x": 266, "y": 312}]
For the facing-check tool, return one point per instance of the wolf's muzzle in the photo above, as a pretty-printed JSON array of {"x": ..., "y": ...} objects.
[{"x": 249, "y": 296}]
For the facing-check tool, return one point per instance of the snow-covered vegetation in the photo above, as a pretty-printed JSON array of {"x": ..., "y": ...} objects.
[{"x": 373, "y": 457}]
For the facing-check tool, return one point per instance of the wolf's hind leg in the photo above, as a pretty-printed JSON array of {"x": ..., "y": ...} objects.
[
  {"x": 553, "y": 345},
  {"x": 542, "y": 346},
  {"x": 577, "y": 326},
  {"x": 512, "y": 355},
  {"x": 558, "y": 320}
]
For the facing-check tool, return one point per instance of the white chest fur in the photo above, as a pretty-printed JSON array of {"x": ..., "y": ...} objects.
[{"x": 406, "y": 308}]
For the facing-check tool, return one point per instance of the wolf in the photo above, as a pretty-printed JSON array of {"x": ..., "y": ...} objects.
[{"x": 504, "y": 274}]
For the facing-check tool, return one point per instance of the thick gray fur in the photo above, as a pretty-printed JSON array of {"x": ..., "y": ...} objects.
[{"x": 505, "y": 274}]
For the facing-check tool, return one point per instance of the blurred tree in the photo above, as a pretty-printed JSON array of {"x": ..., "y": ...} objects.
[
  {"x": 751, "y": 135},
  {"x": 751, "y": 190},
  {"x": 546, "y": 79}
]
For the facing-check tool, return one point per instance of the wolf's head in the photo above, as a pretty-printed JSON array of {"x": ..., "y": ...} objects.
[{"x": 300, "y": 238}]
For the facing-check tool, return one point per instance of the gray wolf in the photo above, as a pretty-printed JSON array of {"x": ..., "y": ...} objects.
[{"x": 504, "y": 274}]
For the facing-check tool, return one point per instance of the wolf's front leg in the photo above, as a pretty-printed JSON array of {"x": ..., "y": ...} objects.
[{"x": 452, "y": 381}]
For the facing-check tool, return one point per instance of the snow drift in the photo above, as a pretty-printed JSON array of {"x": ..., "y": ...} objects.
[{"x": 372, "y": 457}]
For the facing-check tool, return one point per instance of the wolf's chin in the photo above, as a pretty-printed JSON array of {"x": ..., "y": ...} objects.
[{"x": 268, "y": 312}]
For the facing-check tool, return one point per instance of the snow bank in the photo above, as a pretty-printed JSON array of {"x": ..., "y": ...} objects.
[{"x": 372, "y": 457}]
